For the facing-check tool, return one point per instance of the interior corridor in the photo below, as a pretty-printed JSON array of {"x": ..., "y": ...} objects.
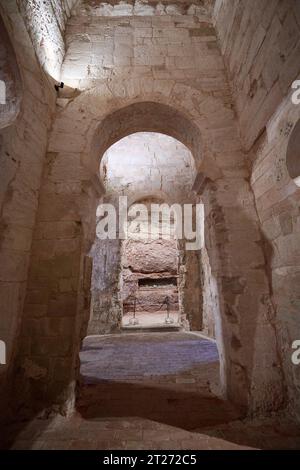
[{"x": 149, "y": 224}]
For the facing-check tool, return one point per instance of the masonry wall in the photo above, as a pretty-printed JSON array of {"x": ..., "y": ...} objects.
[
  {"x": 25, "y": 122},
  {"x": 23, "y": 145},
  {"x": 100, "y": 47},
  {"x": 153, "y": 260},
  {"x": 277, "y": 200},
  {"x": 260, "y": 43},
  {"x": 121, "y": 78},
  {"x": 210, "y": 296},
  {"x": 45, "y": 23},
  {"x": 261, "y": 46},
  {"x": 23, "y": 141}
]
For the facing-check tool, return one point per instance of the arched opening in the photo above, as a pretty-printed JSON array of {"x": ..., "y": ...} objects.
[
  {"x": 74, "y": 213},
  {"x": 145, "y": 117},
  {"x": 293, "y": 154},
  {"x": 129, "y": 68},
  {"x": 67, "y": 271},
  {"x": 151, "y": 170},
  {"x": 147, "y": 288}
]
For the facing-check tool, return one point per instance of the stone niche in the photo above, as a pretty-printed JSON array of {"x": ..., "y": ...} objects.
[{"x": 149, "y": 276}]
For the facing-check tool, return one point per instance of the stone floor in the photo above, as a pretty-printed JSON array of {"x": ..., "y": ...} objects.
[{"x": 152, "y": 391}]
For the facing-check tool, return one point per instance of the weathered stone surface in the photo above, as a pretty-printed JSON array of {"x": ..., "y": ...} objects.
[
  {"x": 150, "y": 67},
  {"x": 151, "y": 257},
  {"x": 277, "y": 201},
  {"x": 260, "y": 42},
  {"x": 144, "y": 167}
]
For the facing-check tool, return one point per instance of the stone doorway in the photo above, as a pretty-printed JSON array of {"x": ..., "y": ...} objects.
[
  {"x": 143, "y": 281},
  {"x": 150, "y": 284}
]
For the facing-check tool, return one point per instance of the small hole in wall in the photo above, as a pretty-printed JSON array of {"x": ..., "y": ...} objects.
[{"x": 293, "y": 154}]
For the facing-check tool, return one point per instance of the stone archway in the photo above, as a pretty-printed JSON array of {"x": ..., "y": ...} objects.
[
  {"x": 153, "y": 169},
  {"x": 70, "y": 193}
]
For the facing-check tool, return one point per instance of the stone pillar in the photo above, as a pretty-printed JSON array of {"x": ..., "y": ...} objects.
[
  {"x": 57, "y": 302},
  {"x": 245, "y": 331},
  {"x": 106, "y": 310},
  {"x": 190, "y": 288}
]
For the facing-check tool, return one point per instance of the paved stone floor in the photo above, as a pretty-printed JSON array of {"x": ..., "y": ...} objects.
[
  {"x": 152, "y": 391},
  {"x": 162, "y": 358}
]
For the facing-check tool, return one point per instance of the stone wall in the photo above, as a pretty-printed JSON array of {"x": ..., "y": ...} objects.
[
  {"x": 148, "y": 73},
  {"x": 155, "y": 7},
  {"x": 164, "y": 46},
  {"x": 146, "y": 261},
  {"x": 238, "y": 271},
  {"x": 260, "y": 43},
  {"x": 210, "y": 296},
  {"x": 277, "y": 201},
  {"x": 45, "y": 23},
  {"x": 106, "y": 308},
  {"x": 23, "y": 142}
]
